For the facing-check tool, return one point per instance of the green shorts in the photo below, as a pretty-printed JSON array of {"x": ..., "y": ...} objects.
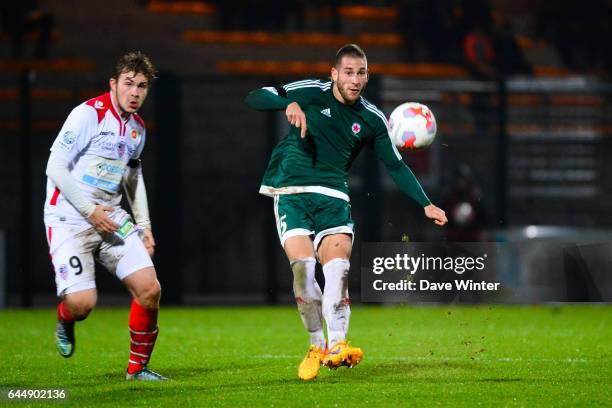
[{"x": 311, "y": 214}]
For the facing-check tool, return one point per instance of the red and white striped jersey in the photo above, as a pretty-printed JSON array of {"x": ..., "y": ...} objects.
[{"x": 97, "y": 143}]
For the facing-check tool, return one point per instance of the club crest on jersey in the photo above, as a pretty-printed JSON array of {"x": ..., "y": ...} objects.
[
  {"x": 63, "y": 271},
  {"x": 134, "y": 134},
  {"x": 99, "y": 105},
  {"x": 356, "y": 128},
  {"x": 121, "y": 149},
  {"x": 69, "y": 137}
]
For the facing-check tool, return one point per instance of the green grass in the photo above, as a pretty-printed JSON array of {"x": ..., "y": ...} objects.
[{"x": 414, "y": 356}]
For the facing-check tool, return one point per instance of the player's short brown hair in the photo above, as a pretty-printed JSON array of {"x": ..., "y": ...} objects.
[
  {"x": 352, "y": 50},
  {"x": 135, "y": 62}
]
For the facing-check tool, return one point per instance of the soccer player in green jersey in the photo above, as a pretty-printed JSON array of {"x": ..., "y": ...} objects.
[{"x": 307, "y": 177}]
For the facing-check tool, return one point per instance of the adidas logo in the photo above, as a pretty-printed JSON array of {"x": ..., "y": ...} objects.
[{"x": 326, "y": 112}]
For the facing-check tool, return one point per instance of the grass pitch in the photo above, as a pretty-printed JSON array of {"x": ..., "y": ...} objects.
[{"x": 414, "y": 356}]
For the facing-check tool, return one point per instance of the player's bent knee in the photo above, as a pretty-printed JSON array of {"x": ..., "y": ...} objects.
[
  {"x": 80, "y": 312},
  {"x": 150, "y": 294},
  {"x": 144, "y": 286},
  {"x": 155, "y": 290},
  {"x": 299, "y": 247},
  {"x": 80, "y": 304},
  {"x": 337, "y": 246}
]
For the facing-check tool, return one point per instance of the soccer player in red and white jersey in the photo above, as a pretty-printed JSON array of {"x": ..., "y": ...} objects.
[{"x": 94, "y": 157}]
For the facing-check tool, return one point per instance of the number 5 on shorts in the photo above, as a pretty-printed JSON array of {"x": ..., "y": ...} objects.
[{"x": 281, "y": 225}]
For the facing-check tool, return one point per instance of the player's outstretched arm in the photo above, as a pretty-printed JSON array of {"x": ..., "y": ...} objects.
[
  {"x": 409, "y": 185},
  {"x": 403, "y": 177},
  {"x": 267, "y": 98},
  {"x": 436, "y": 214}
]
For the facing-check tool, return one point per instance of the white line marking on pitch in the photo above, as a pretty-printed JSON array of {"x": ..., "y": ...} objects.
[{"x": 502, "y": 359}]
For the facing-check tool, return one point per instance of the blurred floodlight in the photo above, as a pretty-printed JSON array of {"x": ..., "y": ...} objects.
[{"x": 531, "y": 231}]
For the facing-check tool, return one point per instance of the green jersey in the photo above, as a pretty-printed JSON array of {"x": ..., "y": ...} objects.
[{"x": 336, "y": 133}]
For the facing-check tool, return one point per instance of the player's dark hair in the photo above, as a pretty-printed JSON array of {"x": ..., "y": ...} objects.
[
  {"x": 135, "y": 62},
  {"x": 352, "y": 50}
]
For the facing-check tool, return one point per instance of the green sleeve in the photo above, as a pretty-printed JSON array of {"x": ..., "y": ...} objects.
[
  {"x": 278, "y": 97},
  {"x": 401, "y": 174},
  {"x": 266, "y": 99},
  {"x": 408, "y": 184}
]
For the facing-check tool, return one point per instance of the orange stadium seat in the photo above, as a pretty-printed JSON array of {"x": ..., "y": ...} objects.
[
  {"x": 181, "y": 7},
  {"x": 48, "y": 94},
  {"x": 290, "y": 39},
  {"x": 53, "y": 65},
  {"x": 368, "y": 12},
  {"x": 250, "y": 67}
]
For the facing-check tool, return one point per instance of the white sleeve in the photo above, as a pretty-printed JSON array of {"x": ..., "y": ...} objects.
[
  {"x": 57, "y": 171},
  {"x": 140, "y": 147},
  {"x": 136, "y": 193},
  {"x": 76, "y": 133}
]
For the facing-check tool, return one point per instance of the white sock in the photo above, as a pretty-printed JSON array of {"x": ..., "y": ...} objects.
[
  {"x": 308, "y": 298},
  {"x": 336, "y": 307}
]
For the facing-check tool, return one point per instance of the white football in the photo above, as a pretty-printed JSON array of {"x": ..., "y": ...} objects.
[{"x": 412, "y": 126}]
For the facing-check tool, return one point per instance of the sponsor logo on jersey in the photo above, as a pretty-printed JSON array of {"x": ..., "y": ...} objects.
[
  {"x": 134, "y": 134},
  {"x": 63, "y": 271},
  {"x": 326, "y": 112},
  {"x": 107, "y": 133},
  {"x": 99, "y": 105},
  {"x": 105, "y": 174},
  {"x": 109, "y": 146},
  {"x": 69, "y": 137},
  {"x": 108, "y": 168},
  {"x": 356, "y": 128},
  {"x": 120, "y": 148}
]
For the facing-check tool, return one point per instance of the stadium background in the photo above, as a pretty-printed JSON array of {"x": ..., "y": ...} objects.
[{"x": 536, "y": 133}]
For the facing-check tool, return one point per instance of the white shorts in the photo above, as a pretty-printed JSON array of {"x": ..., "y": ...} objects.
[{"x": 72, "y": 255}]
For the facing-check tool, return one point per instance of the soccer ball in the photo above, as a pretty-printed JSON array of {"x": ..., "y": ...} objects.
[{"x": 412, "y": 126}]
